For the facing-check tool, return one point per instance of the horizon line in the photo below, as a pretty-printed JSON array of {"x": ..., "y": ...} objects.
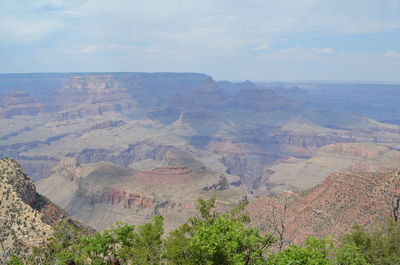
[{"x": 292, "y": 81}]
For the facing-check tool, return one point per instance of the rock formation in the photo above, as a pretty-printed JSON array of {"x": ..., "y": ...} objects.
[
  {"x": 129, "y": 145},
  {"x": 26, "y": 218},
  {"x": 331, "y": 208},
  {"x": 299, "y": 174},
  {"x": 18, "y": 103},
  {"x": 101, "y": 194},
  {"x": 93, "y": 95}
]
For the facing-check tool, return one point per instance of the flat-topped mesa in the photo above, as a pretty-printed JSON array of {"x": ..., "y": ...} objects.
[
  {"x": 91, "y": 83},
  {"x": 176, "y": 175},
  {"x": 94, "y": 94}
]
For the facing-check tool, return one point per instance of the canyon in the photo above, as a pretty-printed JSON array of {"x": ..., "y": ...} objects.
[{"x": 111, "y": 147}]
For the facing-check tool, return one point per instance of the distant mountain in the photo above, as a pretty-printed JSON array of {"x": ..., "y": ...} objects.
[{"x": 378, "y": 101}]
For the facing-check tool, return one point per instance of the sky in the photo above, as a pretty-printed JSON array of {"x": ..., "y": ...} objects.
[{"x": 259, "y": 40}]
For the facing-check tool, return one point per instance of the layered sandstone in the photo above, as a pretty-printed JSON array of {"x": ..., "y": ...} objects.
[
  {"x": 101, "y": 194},
  {"x": 93, "y": 95}
]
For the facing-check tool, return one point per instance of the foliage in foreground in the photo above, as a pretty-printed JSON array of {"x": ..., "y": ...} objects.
[
  {"x": 212, "y": 238},
  {"x": 380, "y": 246},
  {"x": 217, "y": 239}
]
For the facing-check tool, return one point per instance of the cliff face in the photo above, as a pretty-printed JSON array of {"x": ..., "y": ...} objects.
[
  {"x": 133, "y": 153},
  {"x": 91, "y": 95},
  {"x": 130, "y": 117},
  {"x": 331, "y": 208},
  {"x": 103, "y": 193},
  {"x": 183, "y": 136},
  {"x": 26, "y": 217}
]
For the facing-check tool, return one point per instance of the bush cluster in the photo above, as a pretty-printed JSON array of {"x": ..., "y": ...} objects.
[{"x": 211, "y": 238}]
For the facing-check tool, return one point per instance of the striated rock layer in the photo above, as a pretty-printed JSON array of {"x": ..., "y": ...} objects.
[
  {"x": 103, "y": 193},
  {"x": 18, "y": 103},
  {"x": 93, "y": 94}
]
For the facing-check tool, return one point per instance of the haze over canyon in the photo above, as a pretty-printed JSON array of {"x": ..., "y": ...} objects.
[{"x": 110, "y": 147}]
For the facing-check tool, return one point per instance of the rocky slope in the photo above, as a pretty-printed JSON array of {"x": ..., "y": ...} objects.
[
  {"x": 266, "y": 138},
  {"x": 331, "y": 208},
  {"x": 26, "y": 218},
  {"x": 103, "y": 193}
]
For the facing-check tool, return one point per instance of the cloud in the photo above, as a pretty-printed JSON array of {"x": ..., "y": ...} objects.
[
  {"x": 261, "y": 47},
  {"x": 391, "y": 54},
  {"x": 104, "y": 48},
  {"x": 113, "y": 48},
  {"x": 26, "y": 31},
  {"x": 323, "y": 50},
  {"x": 304, "y": 51},
  {"x": 71, "y": 13},
  {"x": 205, "y": 36},
  {"x": 151, "y": 50}
]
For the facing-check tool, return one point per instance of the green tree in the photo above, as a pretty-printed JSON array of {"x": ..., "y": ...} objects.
[
  {"x": 314, "y": 252},
  {"x": 211, "y": 238},
  {"x": 380, "y": 246},
  {"x": 121, "y": 244},
  {"x": 217, "y": 239},
  {"x": 145, "y": 246},
  {"x": 59, "y": 247},
  {"x": 350, "y": 254}
]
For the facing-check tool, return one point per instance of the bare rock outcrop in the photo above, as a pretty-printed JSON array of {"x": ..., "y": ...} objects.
[
  {"x": 331, "y": 208},
  {"x": 103, "y": 193},
  {"x": 26, "y": 217}
]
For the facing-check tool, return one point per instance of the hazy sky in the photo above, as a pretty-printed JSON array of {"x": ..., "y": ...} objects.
[{"x": 259, "y": 40}]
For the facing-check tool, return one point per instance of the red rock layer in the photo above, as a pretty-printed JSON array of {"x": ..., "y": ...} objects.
[
  {"x": 332, "y": 208},
  {"x": 117, "y": 196},
  {"x": 165, "y": 175}
]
